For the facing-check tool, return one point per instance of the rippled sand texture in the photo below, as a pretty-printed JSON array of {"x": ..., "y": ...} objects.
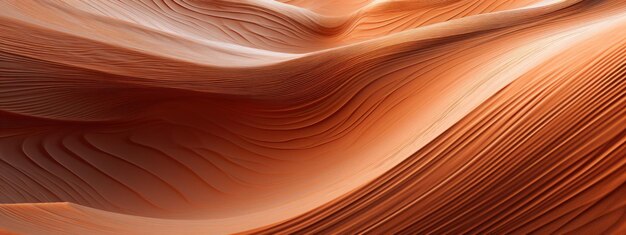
[{"x": 312, "y": 116}]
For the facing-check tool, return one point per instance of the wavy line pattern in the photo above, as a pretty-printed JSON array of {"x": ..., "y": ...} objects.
[{"x": 313, "y": 117}]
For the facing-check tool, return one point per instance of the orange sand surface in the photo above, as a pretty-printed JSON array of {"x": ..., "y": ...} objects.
[{"x": 312, "y": 116}]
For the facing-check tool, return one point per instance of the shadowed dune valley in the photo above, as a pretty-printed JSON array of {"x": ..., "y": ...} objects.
[{"x": 312, "y": 117}]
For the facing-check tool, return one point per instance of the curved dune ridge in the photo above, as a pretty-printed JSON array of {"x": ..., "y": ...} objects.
[{"x": 312, "y": 116}]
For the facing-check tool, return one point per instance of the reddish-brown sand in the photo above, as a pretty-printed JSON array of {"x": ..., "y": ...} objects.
[{"x": 312, "y": 116}]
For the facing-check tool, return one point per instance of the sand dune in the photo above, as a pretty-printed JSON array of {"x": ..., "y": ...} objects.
[{"x": 312, "y": 117}]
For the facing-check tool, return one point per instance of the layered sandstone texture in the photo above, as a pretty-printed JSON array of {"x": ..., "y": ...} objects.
[{"x": 312, "y": 116}]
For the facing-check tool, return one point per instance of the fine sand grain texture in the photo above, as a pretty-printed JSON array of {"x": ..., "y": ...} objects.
[{"x": 312, "y": 117}]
